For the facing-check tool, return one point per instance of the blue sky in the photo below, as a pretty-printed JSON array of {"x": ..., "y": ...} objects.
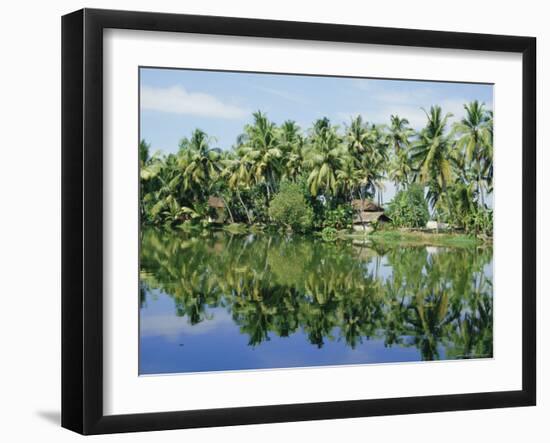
[{"x": 175, "y": 102}]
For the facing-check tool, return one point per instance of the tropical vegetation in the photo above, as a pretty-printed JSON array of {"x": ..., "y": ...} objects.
[{"x": 304, "y": 179}]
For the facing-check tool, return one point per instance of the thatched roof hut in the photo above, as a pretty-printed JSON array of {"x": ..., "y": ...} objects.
[
  {"x": 367, "y": 212},
  {"x": 370, "y": 217},
  {"x": 366, "y": 205}
]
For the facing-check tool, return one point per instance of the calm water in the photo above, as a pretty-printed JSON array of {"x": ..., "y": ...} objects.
[{"x": 226, "y": 302}]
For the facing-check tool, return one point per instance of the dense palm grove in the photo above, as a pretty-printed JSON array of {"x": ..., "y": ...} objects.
[{"x": 306, "y": 179}]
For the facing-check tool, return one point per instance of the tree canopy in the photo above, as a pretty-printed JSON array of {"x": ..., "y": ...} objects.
[{"x": 450, "y": 164}]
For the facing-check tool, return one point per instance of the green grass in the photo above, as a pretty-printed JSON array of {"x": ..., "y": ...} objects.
[
  {"x": 412, "y": 238},
  {"x": 386, "y": 236}
]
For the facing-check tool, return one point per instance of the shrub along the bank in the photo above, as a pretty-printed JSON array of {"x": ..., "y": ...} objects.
[
  {"x": 409, "y": 208},
  {"x": 338, "y": 218},
  {"x": 290, "y": 209}
]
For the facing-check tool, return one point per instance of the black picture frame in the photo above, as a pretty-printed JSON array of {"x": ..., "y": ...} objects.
[{"x": 82, "y": 218}]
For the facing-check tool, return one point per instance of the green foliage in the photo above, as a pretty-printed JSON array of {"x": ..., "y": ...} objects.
[
  {"x": 340, "y": 217},
  {"x": 431, "y": 153},
  {"x": 258, "y": 208},
  {"x": 329, "y": 234},
  {"x": 394, "y": 238},
  {"x": 325, "y": 157},
  {"x": 409, "y": 208},
  {"x": 332, "y": 166},
  {"x": 479, "y": 222},
  {"x": 261, "y": 147},
  {"x": 290, "y": 208},
  {"x": 461, "y": 210}
]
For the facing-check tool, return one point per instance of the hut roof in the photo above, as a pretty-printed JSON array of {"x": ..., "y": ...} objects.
[
  {"x": 215, "y": 202},
  {"x": 370, "y": 216},
  {"x": 366, "y": 205}
]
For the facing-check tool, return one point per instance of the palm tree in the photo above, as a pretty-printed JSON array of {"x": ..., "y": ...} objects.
[
  {"x": 377, "y": 159},
  {"x": 400, "y": 170},
  {"x": 199, "y": 161},
  {"x": 349, "y": 177},
  {"x": 431, "y": 153},
  {"x": 475, "y": 140},
  {"x": 149, "y": 168},
  {"x": 399, "y": 133},
  {"x": 260, "y": 146},
  {"x": 488, "y": 154},
  {"x": 292, "y": 146},
  {"x": 324, "y": 157},
  {"x": 143, "y": 153},
  {"x": 357, "y": 136},
  {"x": 367, "y": 145},
  {"x": 288, "y": 136},
  {"x": 399, "y": 139},
  {"x": 166, "y": 189},
  {"x": 237, "y": 173},
  {"x": 295, "y": 159}
]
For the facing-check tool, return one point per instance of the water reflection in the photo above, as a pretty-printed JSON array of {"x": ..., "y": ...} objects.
[{"x": 220, "y": 302}]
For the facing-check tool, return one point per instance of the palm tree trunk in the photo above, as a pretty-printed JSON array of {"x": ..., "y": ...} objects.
[
  {"x": 362, "y": 197},
  {"x": 444, "y": 188},
  {"x": 244, "y": 207},
  {"x": 228, "y": 210},
  {"x": 480, "y": 189}
]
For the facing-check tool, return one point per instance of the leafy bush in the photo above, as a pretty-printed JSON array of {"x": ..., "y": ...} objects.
[
  {"x": 339, "y": 218},
  {"x": 409, "y": 208},
  {"x": 461, "y": 210},
  {"x": 257, "y": 204},
  {"x": 329, "y": 234},
  {"x": 479, "y": 221},
  {"x": 290, "y": 208}
]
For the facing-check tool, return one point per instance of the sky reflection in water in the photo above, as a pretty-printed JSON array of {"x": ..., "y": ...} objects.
[{"x": 224, "y": 302}]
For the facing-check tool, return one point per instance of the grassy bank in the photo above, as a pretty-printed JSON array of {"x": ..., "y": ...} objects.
[
  {"x": 414, "y": 238},
  {"x": 390, "y": 237}
]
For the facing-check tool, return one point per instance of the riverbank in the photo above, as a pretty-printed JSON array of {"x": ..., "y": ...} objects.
[
  {"x": 415, "y": 238},
  {"x": 388, "y": 236},
  {"x": 393, "y": 237}
]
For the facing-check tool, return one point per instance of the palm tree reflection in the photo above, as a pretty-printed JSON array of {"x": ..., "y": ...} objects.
[{"x": 439, "y": 301}]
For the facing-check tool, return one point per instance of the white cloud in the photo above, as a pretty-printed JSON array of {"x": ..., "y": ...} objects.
[{"x": 176, "y": 99}]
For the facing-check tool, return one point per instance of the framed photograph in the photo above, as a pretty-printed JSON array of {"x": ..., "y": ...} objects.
[{"x": 269, "y": 221}]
